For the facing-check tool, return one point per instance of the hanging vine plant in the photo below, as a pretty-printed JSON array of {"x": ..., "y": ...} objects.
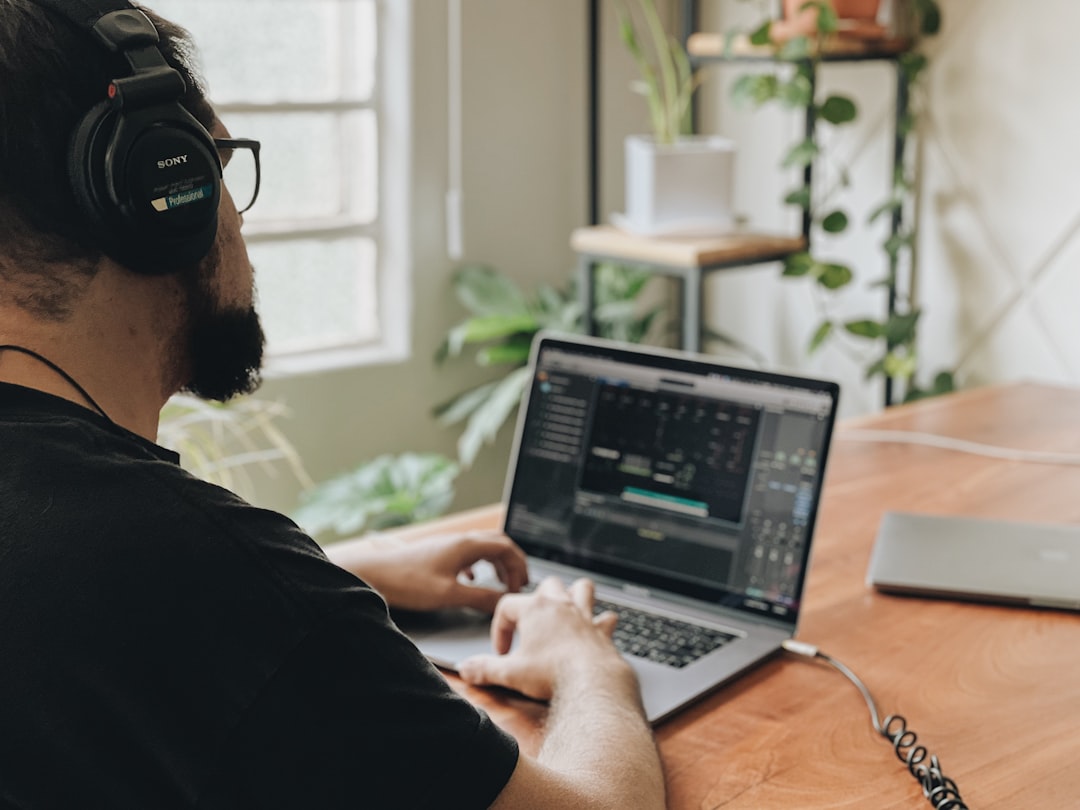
[{"x": 792, "y": 85}]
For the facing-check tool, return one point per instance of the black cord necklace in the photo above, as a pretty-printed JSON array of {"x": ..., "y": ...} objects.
[{"x": 67, "y": 377}]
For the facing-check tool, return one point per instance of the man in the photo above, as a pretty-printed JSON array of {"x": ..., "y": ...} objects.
[{"x": 165, "y": 644}]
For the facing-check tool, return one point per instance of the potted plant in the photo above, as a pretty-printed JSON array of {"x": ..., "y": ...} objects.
[
  {"x": 499, "y": 330},
  {"x": 675, "y": 183},
  {"x": 853, "y": 17},
  {"x": 895, "y": 334},
  {"x": 222, "y": 442}
]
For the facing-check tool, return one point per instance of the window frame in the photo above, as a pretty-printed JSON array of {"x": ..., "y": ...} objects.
[{"x": 391, "y": 102}]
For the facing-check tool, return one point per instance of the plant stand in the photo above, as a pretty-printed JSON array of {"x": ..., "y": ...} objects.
[{"x": 688, "y": 259}]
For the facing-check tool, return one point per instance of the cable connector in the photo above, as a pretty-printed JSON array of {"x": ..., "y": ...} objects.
[
  {"x": 940, "y": 790},
  {"x": 799, "y": 648}
]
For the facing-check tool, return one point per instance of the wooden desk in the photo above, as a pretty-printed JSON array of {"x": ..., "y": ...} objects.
[{"x": 991, "y": 690}]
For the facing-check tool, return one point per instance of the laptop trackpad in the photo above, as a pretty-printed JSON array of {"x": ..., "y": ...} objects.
[{"x": 447, "y": 636}]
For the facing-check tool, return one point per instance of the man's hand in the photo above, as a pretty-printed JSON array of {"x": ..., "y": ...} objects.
[
  {"x": 558, "y": 639},
  {"x": 423, "y": 573}
]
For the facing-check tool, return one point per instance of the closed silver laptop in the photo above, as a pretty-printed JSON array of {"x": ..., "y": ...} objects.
[
  {"x": 1036, "y": 564},
  {"x": 686, "y": 489}
]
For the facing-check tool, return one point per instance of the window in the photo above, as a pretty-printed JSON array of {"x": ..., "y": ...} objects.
[{"x": 324, "y": 85}]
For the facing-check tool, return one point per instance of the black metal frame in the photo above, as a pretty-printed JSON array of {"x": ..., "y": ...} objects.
[
  {"x": 690, "y": 21},
  {"x": 231, "y": 144}
]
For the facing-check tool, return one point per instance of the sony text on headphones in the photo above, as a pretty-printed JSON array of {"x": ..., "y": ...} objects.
[{"x": 143, "y": 170}]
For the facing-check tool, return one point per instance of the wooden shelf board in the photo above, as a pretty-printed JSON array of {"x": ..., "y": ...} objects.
[
  {"x": 713, "y": 251},
  {"x": 704, "y": 45}
]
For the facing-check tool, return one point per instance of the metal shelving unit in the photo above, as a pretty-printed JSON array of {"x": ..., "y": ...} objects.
[{"x": 691, "y": 260}]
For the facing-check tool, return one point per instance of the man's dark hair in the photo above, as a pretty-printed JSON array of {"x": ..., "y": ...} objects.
[{"x": 51, "y": 74}]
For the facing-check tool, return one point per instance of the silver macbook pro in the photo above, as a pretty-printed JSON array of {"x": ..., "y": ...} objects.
[
  {"x": 1035, "y": 564},
  {"x": 687, "y": 490}
]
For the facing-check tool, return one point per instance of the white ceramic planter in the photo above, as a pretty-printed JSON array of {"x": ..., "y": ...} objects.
[{"x": 685, "y": 188}]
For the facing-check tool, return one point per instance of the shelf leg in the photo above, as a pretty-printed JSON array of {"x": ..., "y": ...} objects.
[
  {"x": 899, "y": 145},
  {"x": 691, "y": 310},
  {"x": 586, "y": 293}
]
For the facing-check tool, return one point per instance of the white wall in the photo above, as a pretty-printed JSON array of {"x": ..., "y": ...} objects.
[
  {"x": 998, "y": 211},
  {"x": 1000, "y": 200}
]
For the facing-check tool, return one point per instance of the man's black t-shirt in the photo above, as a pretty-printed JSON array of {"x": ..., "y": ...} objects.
[{"x": 164, "y": 644}]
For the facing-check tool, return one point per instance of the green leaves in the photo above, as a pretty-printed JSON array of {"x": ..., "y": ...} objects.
[
  {"x": 827, "y": 21},
  {"x": 834, "y": 276},
  {"x": 797, "y": 92},
  {"x": 501, "y": 330},
  {"x": 928, "y": 15},
  {"x": 838, "y": 110},
  {"x": 828, "y": 275},
  {"x": 820, "y": 336},
  {"x": 913, "y": 64},
  {"x": 514, "y": 351},
  {"x": 900, "y": 329},
  {"x": 798, "y": 264},
  {"x": 387, "y": 491},
  {"x": 499, "y": 310},
  {"x": 799, "y": 197},
  {"x": 899, "y": 366},
  {"x": 897, "y": 242},
  {"x": 893, "y": 204},
  {"x": 836, "y": 222},
  {"x": 754, "y": 89},
  {"x": 801, "y": 155},
  {"x": 865, "y": 328},
  {"x": 898, "y": 332},
  {"x": 795, "y": 49},
  {"x": 484, "y": 328},
  {"x": 667, "y": 79},
  {"x": 762, "y": 35},
  {"x": 943, "y": 383},
  {"x": 482, "y": 291}
]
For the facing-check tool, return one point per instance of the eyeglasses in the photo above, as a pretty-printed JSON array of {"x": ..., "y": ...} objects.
[{"x": 240, "y": 169}]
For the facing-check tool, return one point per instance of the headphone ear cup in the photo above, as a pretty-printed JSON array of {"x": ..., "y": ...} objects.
[
  {"x": 168, "y": 180},
  {"x": 149, "y": 183},
  {"x": 86, "y": 164}
]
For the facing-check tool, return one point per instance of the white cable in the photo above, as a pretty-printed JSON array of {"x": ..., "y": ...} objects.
[
  {"x": 959, "y": 445},
  {"x": 455, "y": 238}
]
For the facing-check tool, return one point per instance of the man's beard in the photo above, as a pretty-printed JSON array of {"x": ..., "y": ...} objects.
[{"x": 225, "y": 345}]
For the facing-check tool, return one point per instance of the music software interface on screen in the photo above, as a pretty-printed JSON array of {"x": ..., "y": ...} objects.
[{"x": 687, "y": 480}]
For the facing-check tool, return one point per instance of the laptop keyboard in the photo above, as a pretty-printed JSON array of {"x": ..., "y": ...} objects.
[{"x": 661, "y": 639}]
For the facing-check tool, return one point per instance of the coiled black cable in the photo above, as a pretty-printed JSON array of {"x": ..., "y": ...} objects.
[{"x": 939, "y": 790}]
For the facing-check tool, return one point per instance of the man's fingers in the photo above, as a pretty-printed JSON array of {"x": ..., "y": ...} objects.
[
  {"x": 476, "y": 597},
  {"x": 514, "y": 577},
  {"x": 583, "y": 592},
  {"x": 502, "y": 552},
  {"x": 495, "y": 670},
  {"x": 552, "y": 587},
  {"x": 606, "y": 621},
  {"x": 483, "y": 670},
  {"x": 507, "y": 614}
]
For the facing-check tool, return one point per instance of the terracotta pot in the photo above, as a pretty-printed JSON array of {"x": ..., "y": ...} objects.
[
  {"x": 863, "y": 10},
  {"x": 798, "y": 22}
]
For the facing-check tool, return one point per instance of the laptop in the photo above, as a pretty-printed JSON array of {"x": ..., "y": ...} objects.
[
  {"x": 685, "y": 489},
  {"x": 1033, "y": 564}
]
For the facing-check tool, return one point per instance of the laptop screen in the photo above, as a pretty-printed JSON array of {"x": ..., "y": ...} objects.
[{"x": 671, "y": 472}]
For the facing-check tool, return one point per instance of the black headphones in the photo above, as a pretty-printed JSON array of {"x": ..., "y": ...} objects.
[{"x": 143, "y": 170}]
